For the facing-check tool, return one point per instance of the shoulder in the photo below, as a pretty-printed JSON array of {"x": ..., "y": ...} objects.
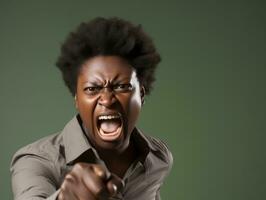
[
  {"x": 159, "y": 160},
  {"x": 33, "y": 168},
  {"x": 46, "y": 148},
  {"x": 160, "y": 149}
]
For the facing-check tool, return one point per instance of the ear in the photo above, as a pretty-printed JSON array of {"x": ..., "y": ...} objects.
[
  {"x": 142, "y": 94},
  {"x": 76, "y": 102}
]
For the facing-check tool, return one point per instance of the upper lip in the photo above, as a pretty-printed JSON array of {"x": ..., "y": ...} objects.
[{"x": 108, "y": 114}]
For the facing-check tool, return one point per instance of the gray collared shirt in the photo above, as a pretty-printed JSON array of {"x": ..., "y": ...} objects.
[{"x": 38, "y": 169}]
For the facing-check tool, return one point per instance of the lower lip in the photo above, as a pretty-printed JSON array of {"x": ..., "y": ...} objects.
[{"x": 110, "y": 136}]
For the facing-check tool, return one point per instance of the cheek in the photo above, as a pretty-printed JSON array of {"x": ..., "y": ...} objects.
[
  {"x": 132, "y": 109},
  {"x": 86, "y": 109}
]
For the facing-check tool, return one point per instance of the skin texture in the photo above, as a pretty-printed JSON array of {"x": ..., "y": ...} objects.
[
  {"x": 106, "y": 85},
  {"x": 89, "y": 182}
]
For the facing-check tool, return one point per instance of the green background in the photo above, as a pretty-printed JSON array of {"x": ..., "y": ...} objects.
[{"x": 209, "y": 98}]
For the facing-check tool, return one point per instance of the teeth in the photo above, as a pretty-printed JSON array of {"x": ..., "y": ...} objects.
[{"x": 105, "y": 117}]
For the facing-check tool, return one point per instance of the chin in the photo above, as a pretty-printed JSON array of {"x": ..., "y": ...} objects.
[{"x": 116, "y": 146}]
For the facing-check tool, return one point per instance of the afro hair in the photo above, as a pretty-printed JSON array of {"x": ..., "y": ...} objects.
[{"x": 113, "y": 37}]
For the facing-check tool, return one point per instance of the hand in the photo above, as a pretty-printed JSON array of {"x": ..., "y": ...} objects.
[{"x": 89, "y": 182}]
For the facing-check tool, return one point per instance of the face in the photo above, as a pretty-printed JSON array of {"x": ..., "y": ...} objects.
[{"x": 109, "y": 99}]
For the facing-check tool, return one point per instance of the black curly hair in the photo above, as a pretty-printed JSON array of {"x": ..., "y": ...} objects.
[{"x": 108, "y": 36}]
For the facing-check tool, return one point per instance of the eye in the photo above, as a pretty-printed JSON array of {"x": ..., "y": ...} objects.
[
  {"x": 92, "y": 90},
  {"x": 122, "y": 87}
]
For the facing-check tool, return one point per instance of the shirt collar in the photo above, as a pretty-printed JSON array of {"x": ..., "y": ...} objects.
[
  {"x": 144, "y": 140},
  {"x": 76, "y": 143}
]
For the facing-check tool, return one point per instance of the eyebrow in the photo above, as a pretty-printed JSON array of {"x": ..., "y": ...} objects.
[
  {"x": 128, "y": 78},
  {"x": 115, "y": 80},
  {"x": 91, "y": 82}
]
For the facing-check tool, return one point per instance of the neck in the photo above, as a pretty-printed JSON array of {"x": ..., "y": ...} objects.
[{"x": 119, "y": 162}]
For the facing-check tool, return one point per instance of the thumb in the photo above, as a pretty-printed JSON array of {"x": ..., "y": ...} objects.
[{"x": 115, "y": 185}]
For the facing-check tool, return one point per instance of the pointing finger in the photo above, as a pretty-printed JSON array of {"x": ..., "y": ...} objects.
[
  {"x": 101, "y": 172},
  {"x": 115, "y": 184}
]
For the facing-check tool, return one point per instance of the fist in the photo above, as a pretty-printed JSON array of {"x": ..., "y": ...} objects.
[{"x": 89, "y": 182}]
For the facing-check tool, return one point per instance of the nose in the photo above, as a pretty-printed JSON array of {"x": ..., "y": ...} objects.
[{"x": 106, "y": 98}]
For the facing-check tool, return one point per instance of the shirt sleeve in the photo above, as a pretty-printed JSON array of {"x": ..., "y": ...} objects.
[{"x": 32, "y": 178}]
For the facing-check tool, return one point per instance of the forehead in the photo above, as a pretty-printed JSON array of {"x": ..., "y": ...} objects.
[{"x": 107, "y": 67}]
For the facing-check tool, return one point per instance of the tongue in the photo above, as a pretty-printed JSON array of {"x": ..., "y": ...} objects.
[{"x": 109, "y": 126}]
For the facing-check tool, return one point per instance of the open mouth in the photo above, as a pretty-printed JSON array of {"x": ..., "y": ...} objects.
[{"x": 109, "y": 126}]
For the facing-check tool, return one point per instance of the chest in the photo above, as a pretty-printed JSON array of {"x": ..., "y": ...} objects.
[{"x": 141, "y": 183}]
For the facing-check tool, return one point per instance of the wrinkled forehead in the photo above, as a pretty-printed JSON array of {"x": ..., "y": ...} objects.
[{"x": 107, "y": 68}]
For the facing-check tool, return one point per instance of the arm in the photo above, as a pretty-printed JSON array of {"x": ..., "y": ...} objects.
[{"x": 32, "y": 178}]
